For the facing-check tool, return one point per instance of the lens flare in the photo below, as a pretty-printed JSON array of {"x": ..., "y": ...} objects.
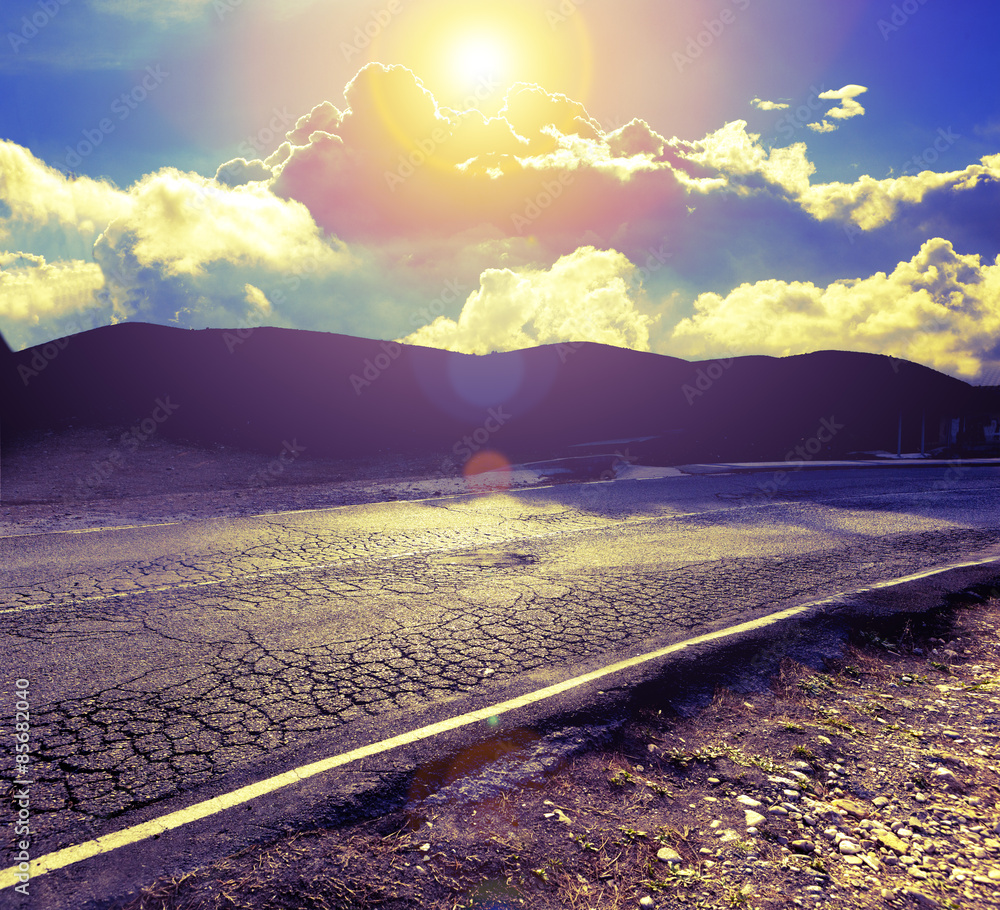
[{"x": 487, "y": 472}]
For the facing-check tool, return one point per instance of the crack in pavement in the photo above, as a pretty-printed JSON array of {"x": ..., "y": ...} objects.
[{"x": 199, "y": 682}]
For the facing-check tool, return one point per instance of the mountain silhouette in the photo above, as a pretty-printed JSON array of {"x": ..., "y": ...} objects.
[{"x": 338, "y": 395}]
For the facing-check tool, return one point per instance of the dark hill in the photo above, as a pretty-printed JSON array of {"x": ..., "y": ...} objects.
[{"x": 335, "y": 394}]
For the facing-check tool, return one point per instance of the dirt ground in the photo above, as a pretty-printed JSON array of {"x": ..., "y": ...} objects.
[
  {"x": 85, "y": 478},
  {"x": 869, "y": 782}
]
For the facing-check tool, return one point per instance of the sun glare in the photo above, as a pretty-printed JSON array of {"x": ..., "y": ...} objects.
[
  {"x": 469, "y": 54},
  {"x": 478, "y": 59}
]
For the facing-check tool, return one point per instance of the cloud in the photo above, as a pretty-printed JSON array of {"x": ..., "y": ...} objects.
[
  {"x": 41, "y": 300},
  {"x": 586, "y": 296},
  {"x": 39, "y": 204},
  {"x": 762, "y": 105},
  {"x": 870, "y": 204},
  {"x": 159, "y": 11},
  {"x": 732, "y": 152},
  {"x": 187, "y": 246},
  {"x": 847, "y": 108},
  {"x": 373, "y": 213},
  {"x": 940, "y": 308}
]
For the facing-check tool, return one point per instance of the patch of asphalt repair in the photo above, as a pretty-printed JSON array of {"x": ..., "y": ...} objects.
[{"x": 531, "y": 739}]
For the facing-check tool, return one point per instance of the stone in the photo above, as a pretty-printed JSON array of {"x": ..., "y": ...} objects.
[
  {"x": 871, "y": 860},
  {"x": 880, "y": 802},
  {"x": 669, "y": 856},
  {"x": 890, "y": 841},
  {"x": 754, "y": 819},
  {"x": 849, "y": 848},
  {"x": 803, "y": 846},
  {"x": 920, "y": 900},
  {"x": 945, "y": 777},
  {"x": 749, "y": 802},
  {"x": 777, "y": 810},
  {"x": 850, "y": 807},
  {"x": 646, "y": 901}
]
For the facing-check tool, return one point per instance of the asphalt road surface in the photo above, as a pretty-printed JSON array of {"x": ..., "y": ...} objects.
[{"x": 161, "y": 658}]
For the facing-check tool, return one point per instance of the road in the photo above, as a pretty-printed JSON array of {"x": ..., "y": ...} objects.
[{"x": 162, "y": 658}]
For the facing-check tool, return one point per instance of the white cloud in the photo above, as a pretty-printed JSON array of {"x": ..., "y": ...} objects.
[
  {"x": 869, "y": 203},
  {"x": 37, "y": 198},
  {"x": 762, "y": 105},
  {"x": 41, "y": 300},
  {"x": 734, "y": 152},
  {"x": 848, "y": 107},
  {"x": 822, "y": 126},
  {"x": 940, "y": 308},
  {"x": 585, "y": 296}
]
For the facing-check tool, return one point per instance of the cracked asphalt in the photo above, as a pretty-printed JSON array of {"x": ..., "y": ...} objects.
[{"x": 162, "y": 658}]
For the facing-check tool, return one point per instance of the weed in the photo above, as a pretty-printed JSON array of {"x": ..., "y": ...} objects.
[
  {"x": 817, "y": 685},
  {"x": 789, "y": 727},
  {"x": 804, "y": 752},
  {"x": 621, "y": 778},
  {"x": 737, "y": 897},
  {"x": 584, "y": 843}
]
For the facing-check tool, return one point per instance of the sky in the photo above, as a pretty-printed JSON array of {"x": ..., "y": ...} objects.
[{"x": 698, "y": 178}]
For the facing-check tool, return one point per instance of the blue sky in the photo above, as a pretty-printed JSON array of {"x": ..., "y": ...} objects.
[{"x": 694, "y": 178}]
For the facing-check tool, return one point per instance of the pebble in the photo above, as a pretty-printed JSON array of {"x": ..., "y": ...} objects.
[
  {"x": 749, "y": 802},
  {"x": 754, "y": 819},
  {"x": 669, "y": 856},
  {"x": 849, "y": 848},
  {"x": 850, "y": 807},
  {"x": 646, "y": 901}
]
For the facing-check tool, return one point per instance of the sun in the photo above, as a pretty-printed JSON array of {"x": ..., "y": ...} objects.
[
  {"x": 480, "y": 58},
  {"x": 467, "y": 54}
]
